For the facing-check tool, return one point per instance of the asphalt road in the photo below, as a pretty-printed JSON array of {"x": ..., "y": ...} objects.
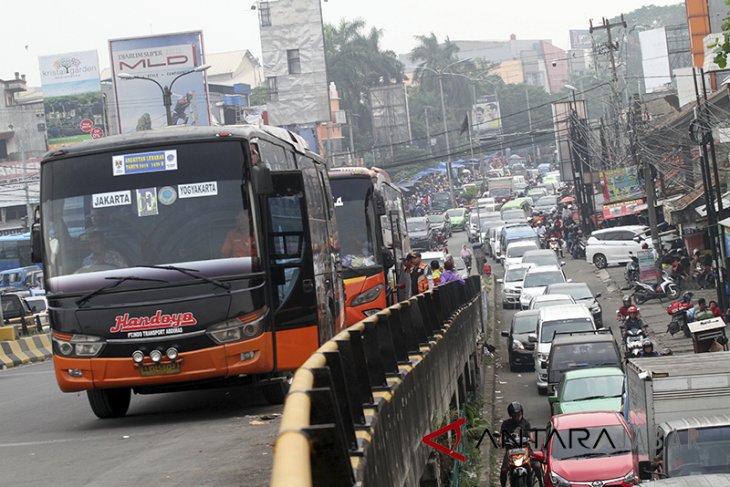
[{"x": 192, "y": 438}]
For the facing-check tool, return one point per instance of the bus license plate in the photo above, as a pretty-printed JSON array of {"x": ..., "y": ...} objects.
[{"x": 159, "y": 369}]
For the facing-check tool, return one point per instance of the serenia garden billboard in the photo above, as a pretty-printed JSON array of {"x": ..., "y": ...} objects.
[
  {"x": 155, "y": 82},
  {"x": 72, "y": 97}
]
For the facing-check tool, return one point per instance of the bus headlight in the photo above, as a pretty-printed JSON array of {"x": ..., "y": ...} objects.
[
  {"x": 240, "y": 328},
  {"x": 78, "y": 345},
  {"x": 368, "y": 296}
]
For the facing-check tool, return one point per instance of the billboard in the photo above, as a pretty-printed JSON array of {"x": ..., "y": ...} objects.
[
  {"x": 391, "y": 123},
  {"x": 581, "y": 39},
  {"x": 486, "y": 117},
  {"x": 655, "y": 59},
  {"x": 622, "y": 184},
  {"x": 149, "y": 66},
  {"x": 72, "y": 99},
  {"x": 616, "y": 210}
]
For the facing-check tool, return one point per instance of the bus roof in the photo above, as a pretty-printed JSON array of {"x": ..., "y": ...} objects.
[
  {"x": 169, "y": 135},
  {"x": 373, "y": 172}
]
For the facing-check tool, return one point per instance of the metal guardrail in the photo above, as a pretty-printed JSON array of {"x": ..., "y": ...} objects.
[{"x": 358, "y": 408}]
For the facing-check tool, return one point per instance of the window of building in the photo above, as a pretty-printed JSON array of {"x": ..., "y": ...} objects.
[
  {"x": 265, "y": 14},
  {"x": 272, "y": 87},
  {"x": 295, "y": 63}
]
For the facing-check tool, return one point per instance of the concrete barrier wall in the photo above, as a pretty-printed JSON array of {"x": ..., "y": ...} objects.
[
  {"x": 359, "y": 407},
  {"x": 25, "y": 350}
]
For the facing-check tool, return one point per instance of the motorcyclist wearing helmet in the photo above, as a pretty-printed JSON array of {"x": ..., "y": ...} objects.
[
  {"x": 633, "y": 322},
  {"x": 647, "y": 349},
  {"x": 623, "y": 312},
  {"x": 516, "y": 426}
]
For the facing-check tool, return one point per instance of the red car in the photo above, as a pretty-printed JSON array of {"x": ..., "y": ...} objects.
[{"x": 591, "y": 449}]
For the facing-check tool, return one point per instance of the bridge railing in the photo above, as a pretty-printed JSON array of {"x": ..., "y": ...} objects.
[{"x": 359, "y": 406}]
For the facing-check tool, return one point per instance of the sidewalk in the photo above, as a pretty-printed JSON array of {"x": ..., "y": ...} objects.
[{"x": 654, "y": 313}]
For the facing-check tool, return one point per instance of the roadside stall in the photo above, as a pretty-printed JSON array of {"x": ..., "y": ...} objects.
[{"x": 706, "y": 332}]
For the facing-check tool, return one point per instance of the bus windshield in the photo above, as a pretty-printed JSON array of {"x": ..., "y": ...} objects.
[
  {"x": 168, "y": 205},
  {"x": 356, "y": 220}
]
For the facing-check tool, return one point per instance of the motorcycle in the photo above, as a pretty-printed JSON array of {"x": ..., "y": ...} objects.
[
  {"x": 634, "y": 338},
  {"x": 666, "y": 288},
  {"x": 631, "y": 273},
  {"x": 519, "y": 455},
  {"x": 555, "y": 246},
  {"x": 678, "y": 310},
  {"x": 467, "y": 264},
  {"x": 439, "y": 241},
  {"x": 579, "y": 249}
]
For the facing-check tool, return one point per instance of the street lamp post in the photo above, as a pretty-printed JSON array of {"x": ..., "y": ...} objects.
[{"x": 166, "y": 90}]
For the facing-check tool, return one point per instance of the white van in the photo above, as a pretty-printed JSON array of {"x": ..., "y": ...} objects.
[{"x": 565, "y": 318}]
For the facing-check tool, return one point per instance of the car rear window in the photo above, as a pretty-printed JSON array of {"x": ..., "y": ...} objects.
[
  {"x": 549, "y": 328},
  {"x": 579, "y": 355},
  {"x": 540, "y": 279}
]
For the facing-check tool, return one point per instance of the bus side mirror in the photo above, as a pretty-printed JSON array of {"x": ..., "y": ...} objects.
[
  {"x": 263, "y": 183},
  {"x": 388, "y": 259},
  {"x": 379, "y": 201},
  {"x": 36, "y": 254}
]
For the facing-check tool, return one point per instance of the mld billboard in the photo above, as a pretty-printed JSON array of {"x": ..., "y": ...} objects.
[{"x": 144, "y": 68}]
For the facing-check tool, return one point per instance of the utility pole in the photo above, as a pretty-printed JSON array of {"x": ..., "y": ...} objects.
[
  {"x": 650, "y": 189},
  {"x": 428, "y": 129},
  {"x": 446, "y": 134},
  {"x": 529, "y": 120},
  {"x": 616, "y": 102}
]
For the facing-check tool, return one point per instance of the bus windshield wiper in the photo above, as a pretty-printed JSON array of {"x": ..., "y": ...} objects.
[
  {"x": 118, "y": 280},
  {"x": 189, "y": 272}
]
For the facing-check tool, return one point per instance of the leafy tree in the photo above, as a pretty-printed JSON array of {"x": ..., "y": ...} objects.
[
  {"x": 259, "y": 96},
  {"x": 144, "y": 122},
  {"x": 722, "y": 47}
]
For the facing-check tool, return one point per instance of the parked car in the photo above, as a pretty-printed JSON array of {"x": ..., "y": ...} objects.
[
  {"x": 512, "y": 284},
  {"x": 516, "y": 250},
  {"x": 458, "y": 218},
  {"x": 542, "y": 257},
  {"x": 545, "y": 301},
  {"x": 568, "y": 318},
  {"x": 572, "y": 350},
  {"x": 440, "y": 223},
  {"x": 582, "y": 295},
  {"x": 519, "y": 347},
  {"x": 536, "y": 280},
  {"x": 614, "y": 245},
  {"x": 593, "y": 389},
  {"x": 605, "y": 457},
  {"x": 419, "y": 233}
]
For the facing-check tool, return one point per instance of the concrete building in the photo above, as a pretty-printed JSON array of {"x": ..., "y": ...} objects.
[
  {"x": 233, "y": 67},
  {"x": 292, "y": 46}
]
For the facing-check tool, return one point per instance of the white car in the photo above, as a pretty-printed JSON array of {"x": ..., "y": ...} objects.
[
  {"x": 556, "y": 319},
  {"x": 547, "y": 300},
  {"x": 486, "y": 204},
  {"x": 614, "y": 245},
  {"x": 542, "y": 257},
  {"x": 494, "y": 233},
  {"x": 536, "y": 280},
  {"x": 512, "y": 285},
  {"x": 516, "y": 250}
]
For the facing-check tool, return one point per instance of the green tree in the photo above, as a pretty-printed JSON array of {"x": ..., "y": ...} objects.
[
  {"x": 259, "y": 96},
  {"x": 722, "y": 47}
]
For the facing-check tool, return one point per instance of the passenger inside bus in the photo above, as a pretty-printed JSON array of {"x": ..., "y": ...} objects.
[{"x": 240, "y": 241}]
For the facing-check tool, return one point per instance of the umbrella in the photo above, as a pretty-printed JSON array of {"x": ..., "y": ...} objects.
[{"x": 567, "y": 199}]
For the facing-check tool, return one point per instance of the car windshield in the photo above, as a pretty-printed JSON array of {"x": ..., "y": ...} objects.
[
  {"x": 524, "y": 324},
  {"x": 578, "y": 355},
  {"x": 576, "y": 292},
  {"x": 545, "y": 259},
  {"x": 706, "y": 448},
  {"x": 539, "y": 279},
  {"x": 549, "y": 328},
  {"x": 518, "y": 250},
  {"x": 101, "y": 212},
  {"x": 598, "y": 441},
  {"x": 551, "y": 302},
  {"x": 515, "y": 274},
  {"x": 356, "y": 220},
  {"x": 546, "y": 201},
  {"x": 456, "y": 213},
  {"x": 416, "y": 225},
  {"x": 592, "y": 387}
]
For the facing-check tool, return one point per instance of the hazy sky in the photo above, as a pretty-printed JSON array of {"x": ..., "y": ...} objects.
[{"x": 41, "y": 27}]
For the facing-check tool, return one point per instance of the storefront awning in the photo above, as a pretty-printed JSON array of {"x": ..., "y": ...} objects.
[
  {"x": 702, "y": 210},
  {"x": 624, "y": 208}
]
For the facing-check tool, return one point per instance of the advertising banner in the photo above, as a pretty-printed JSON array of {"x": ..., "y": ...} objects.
[
  {"x": 625, "y": 208},
  {"x": 647, "y": 265},
  {"x": 622, "y": 184},
  {"x": 486, "y": 117},
  {"x": 72, "y": 97},
  {"x": 144, "y": 68},
  {"x": 581, "y": 39}
]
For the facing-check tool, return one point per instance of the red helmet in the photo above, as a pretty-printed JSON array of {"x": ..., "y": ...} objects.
[{"x": 633, "y": 309}]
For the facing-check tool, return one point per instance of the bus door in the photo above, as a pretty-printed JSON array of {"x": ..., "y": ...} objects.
[
  {"x": 292, "y": 276},
  {"x": 396, "y": 238}
]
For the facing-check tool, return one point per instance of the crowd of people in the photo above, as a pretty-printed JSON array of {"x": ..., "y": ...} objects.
[{"x": 417, "y": 276}]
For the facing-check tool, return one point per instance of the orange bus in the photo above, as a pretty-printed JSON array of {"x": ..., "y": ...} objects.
[
  {"x": 186, "y": 258},
  {"x": 373, "y": 238}
]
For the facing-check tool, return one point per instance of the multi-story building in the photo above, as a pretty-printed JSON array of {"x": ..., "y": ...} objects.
[{"x": 292, "y": 47}]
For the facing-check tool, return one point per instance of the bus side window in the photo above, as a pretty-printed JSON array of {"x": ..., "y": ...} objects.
[{"x": 275, "y": 156}]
